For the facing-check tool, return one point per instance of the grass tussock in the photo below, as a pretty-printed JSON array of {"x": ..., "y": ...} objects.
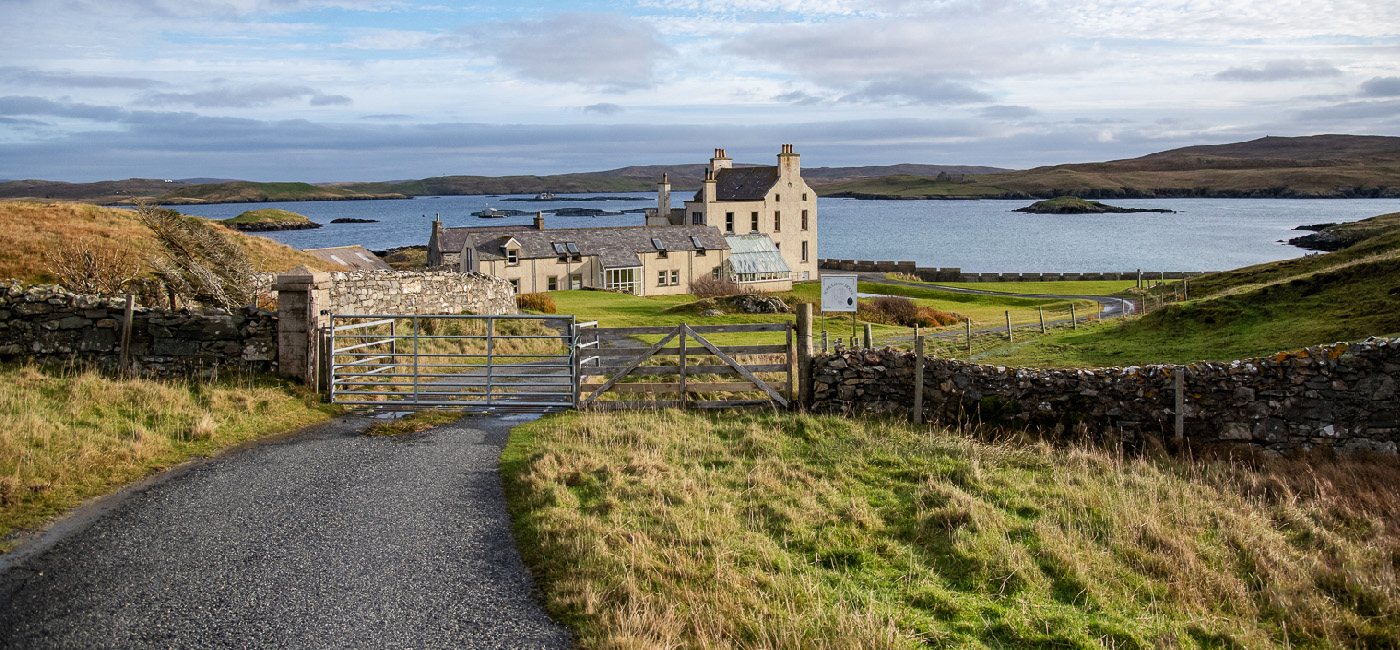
[
  {"x": 901, "y": 311},
  {"x": 420, "y": 421},
  {"x": 539, "y": 303},
  {"x": 681, "y": 530},
  {"x": 68, "y": 435}
]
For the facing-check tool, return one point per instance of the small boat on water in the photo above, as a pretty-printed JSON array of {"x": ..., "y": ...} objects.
[
  {"x": 489, "y": 213},
  {"x": 544, "y": 196}
]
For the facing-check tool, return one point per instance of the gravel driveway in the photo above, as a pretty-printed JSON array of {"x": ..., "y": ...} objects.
[{"x": 325, "y": 539}]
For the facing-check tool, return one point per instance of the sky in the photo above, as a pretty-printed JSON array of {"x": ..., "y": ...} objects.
[{"x": 360, "y": 90}]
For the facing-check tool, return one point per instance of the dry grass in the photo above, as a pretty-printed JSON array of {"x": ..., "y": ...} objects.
[
  {"x": 68, "y": 435},
  {"x": 419, "y": 421},
  {"x": 32, "y": 229},
  {"x": 666, "y": 529}
]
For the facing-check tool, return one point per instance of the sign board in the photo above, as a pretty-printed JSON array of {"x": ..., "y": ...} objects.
[{"x": 838, "y": 292}]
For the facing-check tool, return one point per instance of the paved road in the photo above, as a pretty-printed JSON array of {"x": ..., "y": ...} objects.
[{"x": 325, "y": 539}]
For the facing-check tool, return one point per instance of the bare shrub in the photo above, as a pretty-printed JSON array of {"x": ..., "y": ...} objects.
[
  {"x": 89, "y": 266},
  {"x": 200, "y": 264},
  {"x": 708, "y": 287}
]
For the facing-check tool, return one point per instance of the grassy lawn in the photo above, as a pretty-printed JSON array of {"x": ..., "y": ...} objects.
[
  {"x": 69, "y": 435},
  {"x": 762, "y": 530},
  {"x": 985, "y": 310},
  {"x": 1070, "y": 288}
]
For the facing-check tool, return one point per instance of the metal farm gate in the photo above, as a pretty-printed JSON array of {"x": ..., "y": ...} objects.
[
  {"x": 698, "y": 374},
  {"x": 473, "y": 363}
]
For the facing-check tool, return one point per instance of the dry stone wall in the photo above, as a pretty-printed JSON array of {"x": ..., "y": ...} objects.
[
  {"x": 419, "y": 292},
  {"x": 48, "y": 323},
  {"x": 1342, "y": 396}
]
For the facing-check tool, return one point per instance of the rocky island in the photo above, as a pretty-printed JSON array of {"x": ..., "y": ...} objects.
[
  {"x": 1076, "y": 205},
  {"x": 1336, "y": 236},
  {"x": 269, "y": 219},
  {"x": 353, "y": 220}
]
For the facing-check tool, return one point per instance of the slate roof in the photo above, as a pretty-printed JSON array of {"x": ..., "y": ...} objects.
[
  {"x": 356, "y": 258},
  {"x": 453, "y": 239},
  {"x": 742, "y": 184},
  {"x": 615, "y": 247},
  {"x": 755, "y": 254}
]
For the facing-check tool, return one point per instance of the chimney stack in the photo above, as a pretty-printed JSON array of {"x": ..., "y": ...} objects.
[{"x": 539, "y": 220}]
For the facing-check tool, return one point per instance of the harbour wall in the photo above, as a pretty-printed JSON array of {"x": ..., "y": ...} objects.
[{"x": 954, "y": 274}]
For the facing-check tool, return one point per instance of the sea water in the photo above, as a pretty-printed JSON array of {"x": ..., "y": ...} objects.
[{"x": 977, "y": 236}]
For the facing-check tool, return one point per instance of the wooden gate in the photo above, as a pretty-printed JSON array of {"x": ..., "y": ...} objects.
[{"x": 682, "y": 359}]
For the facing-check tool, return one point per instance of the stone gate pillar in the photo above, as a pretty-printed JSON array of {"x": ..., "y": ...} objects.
[{"x": 301, "y": 296}]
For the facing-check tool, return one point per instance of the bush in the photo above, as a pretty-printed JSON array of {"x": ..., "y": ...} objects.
[
  {"x": 895, "y": 310},
  {"x": 708, "y": 287},
  {"x": 536, "y": 302}
]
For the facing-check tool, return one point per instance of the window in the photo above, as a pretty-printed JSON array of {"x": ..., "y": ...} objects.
[
  {"x": 624, "y": 280},
  {"x": 512, "y": 257},
  {"x": 561, "y": 251},
  {"x": 697, "y": 218},
  {"x": 573, "y": 250},
  {"x": 576, "y": 281},
  {"x": 515, "y": 286},
  {"x": 676, "y": 277},
  {"x": 551, "y": 283},
  {"x": 804, "y": 251},
  {"x": 778, "y": 245},
  {"x": 729, "y": 222},
  {"x": 804, "y": 196},
  {"x": 660, "y": 278},
  {"x": 699, "y": 246},
  {"x": 660, "y": 248},
  {"x": 777, "y": 221},
  {"x": 804, "y": 219},
  {"x": 777, "y": 198},
  {"x": 753, "y": 221},
  {"x": 715, "y": 273}
]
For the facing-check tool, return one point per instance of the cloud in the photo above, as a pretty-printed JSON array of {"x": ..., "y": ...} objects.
[
  {"x": 1366, "y": 110},
  {"x": 29, "y": 105},
  {"x": 799, "y": 97},
  {"x": 927, "y": 90},
  {"x": 386, "y": 116},
  {"x": 610, "y": 51},
  {"x": 604, "y": 108},
  {"x": 1381, "y": 87},
  {"x": 244, "y": 97},
  {"x": 1007, "y": 112},
  {"x": 1281, "y": 70},
  {"x": 73, "y": 80},
  {"x": 330, "y": 100}
]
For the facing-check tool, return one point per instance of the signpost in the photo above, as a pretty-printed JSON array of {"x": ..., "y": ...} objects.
[{"x": 839, "y": 294}]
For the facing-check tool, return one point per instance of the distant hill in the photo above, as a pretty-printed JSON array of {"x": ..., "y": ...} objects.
[
  {"x": 99, "y": 192},
  {"x": 454, "y": 185},
  {"x": 246, "y": 192},
  {"x": 1333, "y": 166}
]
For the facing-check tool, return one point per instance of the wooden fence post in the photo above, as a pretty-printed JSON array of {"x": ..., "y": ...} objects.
[
  {"x": 684, "y": 397},
  {"x": 127, "y": 315},
  {"x": 1042, "y": 318},
  {"x": 918, "y": 380},
  {"x": 1073, "y": 321},
  {"x": 1179, "y": 385},
  {"x": 804, "y": 355},
  {"x": 969, "y": 336},
  {"x": 1009, "y": 336},
  {"x": 868, "y": 340}
]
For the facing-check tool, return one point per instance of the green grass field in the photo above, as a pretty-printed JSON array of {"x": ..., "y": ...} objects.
[
  {"x": 668, "y": 529},
  {"x": 1070, "y": 288}
]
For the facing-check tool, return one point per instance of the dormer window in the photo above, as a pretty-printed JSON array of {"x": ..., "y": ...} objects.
[
  {"x": 512, "y": 257},
  {"x": 699, "y": 246},
  {"x": 561, "y": 251},
  {"x": 573, "y": 251},
  {"x": 660, "y": 247}
]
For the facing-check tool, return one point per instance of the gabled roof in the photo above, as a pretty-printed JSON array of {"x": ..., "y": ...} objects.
[
  {"x": 614, "y": 247},
  {"x": 452, "y": 239},
  {"x": 742, "y": 184},
  {"x": 755, "y": 254},
  {"x": 356, "y": 258}
]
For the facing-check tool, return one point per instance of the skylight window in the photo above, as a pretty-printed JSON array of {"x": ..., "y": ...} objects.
[
  {"x": 657, "y": 243},
  {"x": 572, "y": 248},
  {"x": 696, "y": 241},
  {"x": 559, "y": 249}
]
